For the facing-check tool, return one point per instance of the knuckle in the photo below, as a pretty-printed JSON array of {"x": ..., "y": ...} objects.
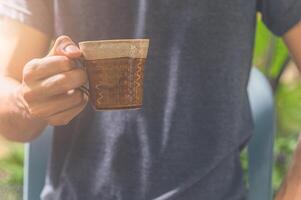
[
  {"x": 30, "y": 69},
  {"x": 28, "y": 95},
  {"x": 64, "y": 63},
  {"x": 63, "y": 38},
  {"x": 59, "y": 45},
  {"x": 33, "y": 63},
  {"x": 27, "y": 76}
]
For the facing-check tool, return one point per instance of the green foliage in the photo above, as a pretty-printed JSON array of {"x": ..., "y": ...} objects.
[
  {"x": 8, "y": 192},
  {"x": 244, "y": 164},
  {"x": 11, "y": 174},
  {"x": 270, "y": 53},
  {"x": 262, "y": 42},
  {"x": 288, "y": 98},
  {"x": 280, "y": 55},
  {"x": 11, "y": 167},
  {"x": 283, "y": 149}
]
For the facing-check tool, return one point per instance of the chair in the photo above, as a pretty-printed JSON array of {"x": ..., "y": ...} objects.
[
  {"x": 259, "y": 150},
  {"x": 35, "y": 164}
]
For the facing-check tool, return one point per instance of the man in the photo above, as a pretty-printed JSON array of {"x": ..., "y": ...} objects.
[{"x": 184, "y": 143}]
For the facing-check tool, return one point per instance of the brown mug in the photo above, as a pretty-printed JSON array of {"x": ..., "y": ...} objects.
[{"x": 115, "y": 71}]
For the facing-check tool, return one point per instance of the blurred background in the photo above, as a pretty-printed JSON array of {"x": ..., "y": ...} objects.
[{"x": 270, "y": 56}]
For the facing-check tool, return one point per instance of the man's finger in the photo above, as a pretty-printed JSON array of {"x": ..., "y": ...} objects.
[
  {"x": 55, "y": 85},
  {"x": 63, "y": 82},
  {"x": 65, "y": 117},
  {"x": 64, "y": 46},
  {"x": 49, "y": 66},
  {"x": 57, "y": 104}
]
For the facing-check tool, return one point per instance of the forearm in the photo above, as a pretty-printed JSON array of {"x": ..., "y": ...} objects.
[
  {"x": 16, "y": 123},
  {"x": 291, "y": 186},
  {"x": 293, "y": 41}
]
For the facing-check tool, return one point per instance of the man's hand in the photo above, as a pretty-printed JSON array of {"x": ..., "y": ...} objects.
[
  {"x": 50, "y": 85},
  {"x": 36, "y": 92}
]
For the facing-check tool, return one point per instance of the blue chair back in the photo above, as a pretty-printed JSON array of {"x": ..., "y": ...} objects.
[
  {"x": 260, "y": 148},
  {"x": 35, "y": 165}
]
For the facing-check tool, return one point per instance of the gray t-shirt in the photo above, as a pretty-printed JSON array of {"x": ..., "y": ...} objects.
[{"x": 184, "y": 143}]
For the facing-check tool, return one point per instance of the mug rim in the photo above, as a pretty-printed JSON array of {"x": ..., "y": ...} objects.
[{"x": 113, "y": 41}]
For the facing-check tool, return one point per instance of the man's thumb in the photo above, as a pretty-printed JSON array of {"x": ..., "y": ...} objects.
[{"x": 64, "y": 46}]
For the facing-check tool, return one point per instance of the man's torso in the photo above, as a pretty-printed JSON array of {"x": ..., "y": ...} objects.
[{"x": 195, "y": 114}]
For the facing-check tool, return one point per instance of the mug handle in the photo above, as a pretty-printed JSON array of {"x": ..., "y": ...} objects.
[
  {"x": 84, "y": 89},
  {"x": 79, "y": 62}
]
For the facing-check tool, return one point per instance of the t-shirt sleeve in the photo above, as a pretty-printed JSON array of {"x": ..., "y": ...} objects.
[
  {"x": 35, "y": 13},
  {"x": 280, "y": 15}
]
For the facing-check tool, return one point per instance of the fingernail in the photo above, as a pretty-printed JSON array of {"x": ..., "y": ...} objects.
[{"x": 71, "y": 49}]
